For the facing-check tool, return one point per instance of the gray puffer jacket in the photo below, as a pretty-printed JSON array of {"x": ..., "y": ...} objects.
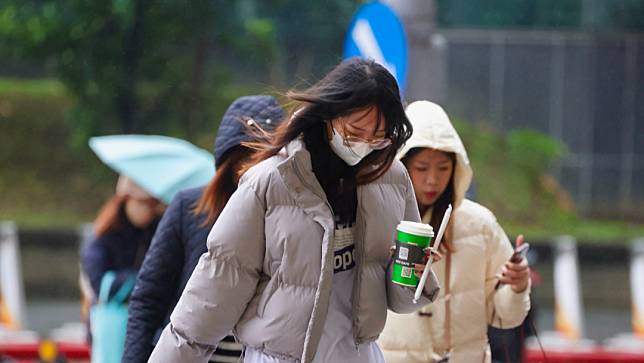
[{"x": 269, "y": 266}]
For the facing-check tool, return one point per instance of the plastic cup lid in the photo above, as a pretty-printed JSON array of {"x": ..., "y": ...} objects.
[{"x": 415, "y": 228}]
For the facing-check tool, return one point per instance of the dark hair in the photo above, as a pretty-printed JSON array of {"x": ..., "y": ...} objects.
[
  {"x": 351, "y": 86},
  {"x": 443, "y": 201},
  {"x": 222, "y": 186},
  {"x": 108, "y": 216}
]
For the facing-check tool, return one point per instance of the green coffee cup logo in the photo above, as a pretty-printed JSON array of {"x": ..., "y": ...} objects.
[{"x": 411, "y": 239}]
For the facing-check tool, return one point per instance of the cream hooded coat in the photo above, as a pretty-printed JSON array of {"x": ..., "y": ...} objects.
[{"x": 457, "y": 321}]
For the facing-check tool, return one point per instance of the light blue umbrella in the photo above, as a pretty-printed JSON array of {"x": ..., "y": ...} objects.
[{"x": 159, "y": 164}]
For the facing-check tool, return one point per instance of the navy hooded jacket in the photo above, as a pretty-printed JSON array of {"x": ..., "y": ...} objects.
[
  {"x": 181, "y": 236},
  {"x": 176, "y": 247},
  {"x": 120, "y": 249}
]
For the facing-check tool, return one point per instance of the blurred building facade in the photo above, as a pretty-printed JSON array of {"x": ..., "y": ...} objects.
[
  {"x": 584, "y": 89},
  {"x": 571, "y": 69}
]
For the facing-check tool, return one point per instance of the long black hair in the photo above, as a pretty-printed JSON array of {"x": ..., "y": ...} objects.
[{"x": 351, "y": 86}]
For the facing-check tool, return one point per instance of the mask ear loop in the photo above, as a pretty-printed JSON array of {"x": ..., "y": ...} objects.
[
  {"x": 334, "y": 131},
  {"x": 345, "y": 141}
]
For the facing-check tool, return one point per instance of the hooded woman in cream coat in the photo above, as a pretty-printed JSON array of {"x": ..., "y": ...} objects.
[{"x": 475, "y": 259}]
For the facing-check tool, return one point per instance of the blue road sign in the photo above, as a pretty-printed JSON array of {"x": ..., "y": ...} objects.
[{"x": 377, "y": 33}]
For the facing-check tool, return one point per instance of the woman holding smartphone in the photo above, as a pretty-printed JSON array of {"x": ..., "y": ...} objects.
[{"x": 481, "y": 283}]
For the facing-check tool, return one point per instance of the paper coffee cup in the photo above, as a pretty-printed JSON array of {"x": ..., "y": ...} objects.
[{"x": 411, "y": 239}]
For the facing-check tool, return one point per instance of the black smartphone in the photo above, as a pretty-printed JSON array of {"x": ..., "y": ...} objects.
[{"x": 520, "y": 253}]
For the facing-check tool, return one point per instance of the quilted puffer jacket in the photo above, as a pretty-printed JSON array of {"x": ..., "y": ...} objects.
[
  {"x": 269, "y": 266},
  {"x": 456, "y": 323}
]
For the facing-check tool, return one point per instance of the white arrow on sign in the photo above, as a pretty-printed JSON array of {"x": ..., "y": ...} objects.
[{"x": 364, "y": 38}]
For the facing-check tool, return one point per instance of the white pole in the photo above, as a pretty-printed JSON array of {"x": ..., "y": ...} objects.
[
  {"x": 568, "y": 308},
  {"x": 11, "y": 287},
  {"x": 85, "y": 234},
  {"x": 637, "y": 286},
  {"x": 633, "y": 341}
]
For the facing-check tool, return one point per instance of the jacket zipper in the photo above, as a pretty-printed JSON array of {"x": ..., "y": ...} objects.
[
  {"x": 326, "y": 202},
  {"x": 359, "y": 241},
  {"x": 356, "y": 279}
]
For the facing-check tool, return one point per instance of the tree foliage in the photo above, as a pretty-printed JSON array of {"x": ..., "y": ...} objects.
[
  {"x": 130, "y": 65},
  {"x": 137, "y": 66}
]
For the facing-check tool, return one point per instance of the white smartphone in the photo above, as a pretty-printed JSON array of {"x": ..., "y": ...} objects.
[{"x": 520, "y": 253}]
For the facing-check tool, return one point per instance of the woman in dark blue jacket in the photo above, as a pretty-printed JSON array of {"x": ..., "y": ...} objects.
[
  {"x": 181, "y": 236},
  {"x": 123, "y": 230}
]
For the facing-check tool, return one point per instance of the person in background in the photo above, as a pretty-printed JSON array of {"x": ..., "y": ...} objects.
[
  {"x": 181, "y": 236},
  {"x": 297, "y": 262},
  {"x": 123, "y": 230},
  {"x": 122, "y": 233},
  {"x": 507, "y": 344},
  {"x": 480, "y": 285}
]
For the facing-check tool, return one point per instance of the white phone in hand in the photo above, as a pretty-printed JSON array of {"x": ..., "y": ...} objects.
[{"x": 520, "y": 253}]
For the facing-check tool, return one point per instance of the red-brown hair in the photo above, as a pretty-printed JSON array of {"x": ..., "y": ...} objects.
[
  {"x": 222, "y": 186},
  {"x": 107, "y": 218}
]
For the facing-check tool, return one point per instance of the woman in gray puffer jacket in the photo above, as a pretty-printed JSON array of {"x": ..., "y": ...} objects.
[{"x": 298, "y": 262}]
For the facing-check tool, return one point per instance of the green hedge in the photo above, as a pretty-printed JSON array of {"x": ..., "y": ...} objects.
[
  {"x": 48, "y": 179},
  {"x": 48, "y": 176},
  {"x": 512, "y": 178}
]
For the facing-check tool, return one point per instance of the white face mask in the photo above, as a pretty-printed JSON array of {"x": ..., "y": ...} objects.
[{"x": 351, "y": 154}]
